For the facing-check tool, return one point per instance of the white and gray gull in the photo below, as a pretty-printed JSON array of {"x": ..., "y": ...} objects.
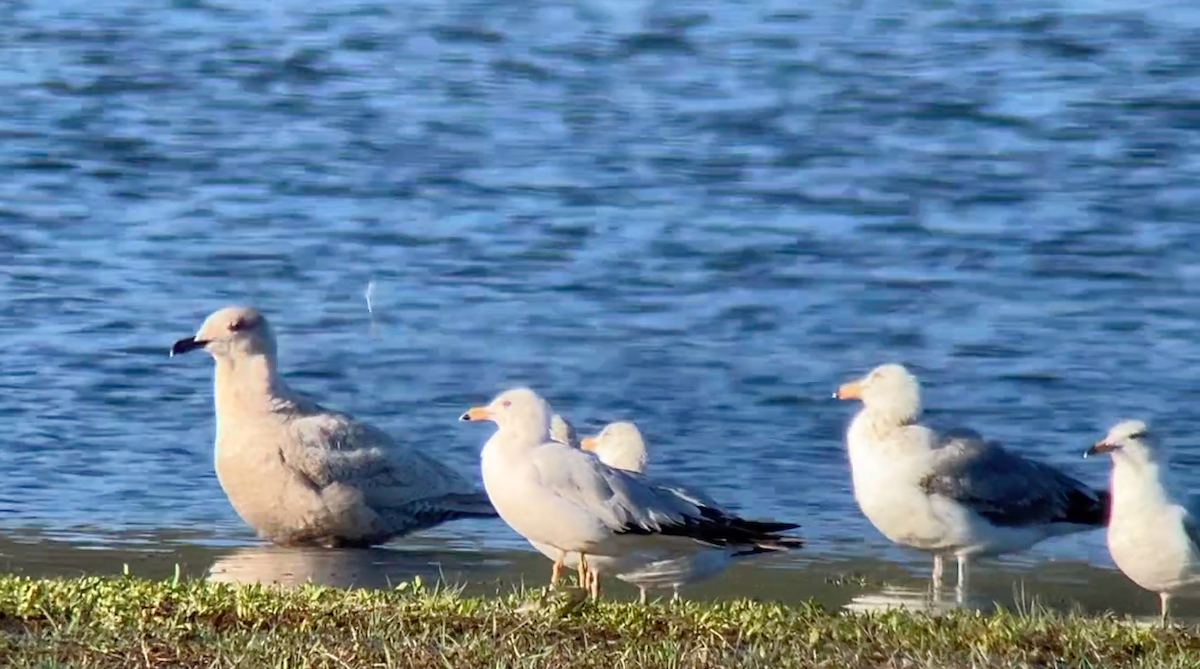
[
  {"x": 563, "y": 497},
  {"x": 1154, "y": 540},
  {"x": 953, "y": 493},
  {"x": 299, "y": 473}
]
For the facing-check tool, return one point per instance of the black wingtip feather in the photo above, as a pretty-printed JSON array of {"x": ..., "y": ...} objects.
[
  {"x": 773, "y": 546},
  {"x": 761, "y": 526},
  {"x": 719, "y": 529},
  {"x": 769, "y": 527},
  {"x": 1085, "y": 509}
]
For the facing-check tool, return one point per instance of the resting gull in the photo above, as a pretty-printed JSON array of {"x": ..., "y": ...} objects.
[
  {"x": 1154, "y": 540},
  {"x": 953, "y": 493},
  {"x": 299, "y": 473},
  {"x": 567, "y": 499}
]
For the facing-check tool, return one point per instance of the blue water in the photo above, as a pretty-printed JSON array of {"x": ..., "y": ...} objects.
[{"x": 702, "y": 216}]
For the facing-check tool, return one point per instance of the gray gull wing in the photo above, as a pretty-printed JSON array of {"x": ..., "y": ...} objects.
[
  {"x": 407, "y": 489},
  {"x": 1007, "y": 489},
  {"x": 629, "y": 503}
]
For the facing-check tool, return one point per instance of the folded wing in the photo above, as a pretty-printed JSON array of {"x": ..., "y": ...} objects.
[{"x": 1008, "y": 489}]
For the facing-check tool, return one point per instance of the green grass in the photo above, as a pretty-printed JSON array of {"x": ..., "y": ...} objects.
[{"x": 128, "y": 622}]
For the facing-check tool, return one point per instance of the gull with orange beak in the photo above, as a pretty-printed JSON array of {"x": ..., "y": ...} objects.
[
  {"x": 1154, "y": 540},
  {"x": 299, "y": 473},
  {"x": 563, "y": 432},
  {"x": 952, "y": 493},
  {"x": 566, "y": 499}
]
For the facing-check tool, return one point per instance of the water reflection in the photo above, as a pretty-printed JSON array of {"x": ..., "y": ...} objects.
[
  {"x": 893, "y": 597},
  {"x": 934, "y": 601},
  {"x": 374, "y": 568}
]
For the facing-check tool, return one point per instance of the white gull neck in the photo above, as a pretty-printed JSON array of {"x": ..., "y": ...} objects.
[
  {"x": 1138, "y": 487},
  {"x": 247, "y": 384}
]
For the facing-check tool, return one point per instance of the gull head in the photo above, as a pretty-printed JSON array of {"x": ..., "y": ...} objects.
[
  {"x": 232, "y": 332},
  {"x": 619, "y": 445},
  {"x": 562, "y": 431},
  {"x": 516, "y": 410},
  {"x": 1128, "y": 440},
  {"x": 889, "y": 388}
]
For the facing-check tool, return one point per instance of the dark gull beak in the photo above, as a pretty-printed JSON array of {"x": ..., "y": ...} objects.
[{"x": 184, "y": 345}]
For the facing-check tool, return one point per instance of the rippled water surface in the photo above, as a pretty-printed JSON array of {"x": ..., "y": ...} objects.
[{"x": 702, "y": 216}]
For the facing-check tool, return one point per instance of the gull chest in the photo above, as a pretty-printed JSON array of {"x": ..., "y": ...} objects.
[
  {"x": 886, "y": 489},
  {"x": 254, "y": 478},
  {"x": 537, "y": 513},
  {"x": 1148, "y": 543}
]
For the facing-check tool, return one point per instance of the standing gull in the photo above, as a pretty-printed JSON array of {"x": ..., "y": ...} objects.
[
  {"x": 622, "y": 446},
  {"x": 299, "y": 473},
  {"x": 1153, "y": 540},
  {"x": 567, "y": 499},
  {"x": 953, "y": 493}
]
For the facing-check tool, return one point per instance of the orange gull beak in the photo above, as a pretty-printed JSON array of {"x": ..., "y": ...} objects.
[
  {"x": 476, "y": 414},
  {"x": 849, "y": 391},
  {"x": 588, "y": 443}
]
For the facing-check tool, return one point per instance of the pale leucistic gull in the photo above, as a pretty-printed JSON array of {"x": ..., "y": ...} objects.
[
  {"x": 1154, "y": 540},
  {"x": 621, "y": 445},
  {"x": 567, "y": 499},
  {"x": 299, "y": 473},
  {"x": 953, "y": 493}
]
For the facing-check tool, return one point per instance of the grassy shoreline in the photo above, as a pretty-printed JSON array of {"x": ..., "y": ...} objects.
[{"x": 129, "y": 622}]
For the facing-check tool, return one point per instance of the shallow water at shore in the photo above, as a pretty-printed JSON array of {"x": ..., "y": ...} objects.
[{"x": 857, "y": 584}]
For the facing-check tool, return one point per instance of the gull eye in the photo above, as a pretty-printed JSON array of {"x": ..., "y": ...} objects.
[
  {"x": 1137, "y": 435},
  {"x": 242, "y": 323},
  {"x": 506, "y": 403}
]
